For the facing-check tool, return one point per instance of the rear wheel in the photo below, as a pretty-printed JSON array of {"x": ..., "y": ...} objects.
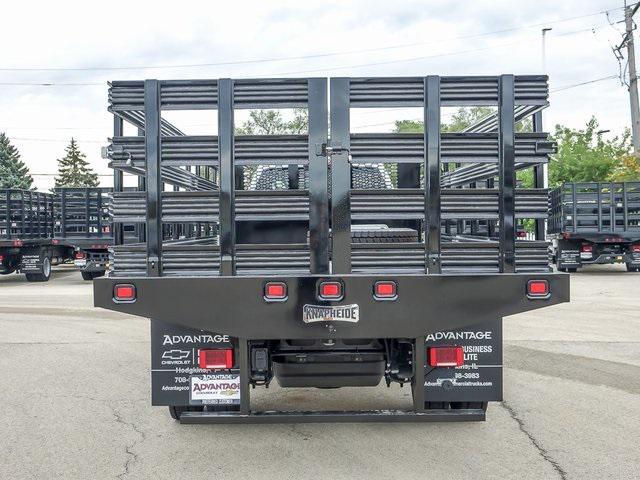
[
  {"x": 631, "y": 268},
  {"x": 46, "y": 272}
]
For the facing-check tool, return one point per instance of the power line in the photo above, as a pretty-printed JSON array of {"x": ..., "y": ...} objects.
[
  {"x": 554, "y": 90},
  {"x": 302, "y": 57},
  {"x": 567, "y": 87},
  {"x": 54, "y": 140},
  {"x": 413, "y": 59},
  {"x": 55, "y": 174},
  {"x": 343, "y": 67}
]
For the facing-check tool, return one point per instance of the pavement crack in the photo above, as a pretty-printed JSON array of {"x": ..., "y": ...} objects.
[
  {"x": 534, "y": 441},
  {"x": 132, "y": 457},
  {"x": 295, "y": 429}
]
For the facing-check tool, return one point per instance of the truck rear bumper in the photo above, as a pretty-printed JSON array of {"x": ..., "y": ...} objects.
[
  {"x": 610, "y": 258},
  {"x": 393, "y": 416},
  {"x": 424, "y": 303}
]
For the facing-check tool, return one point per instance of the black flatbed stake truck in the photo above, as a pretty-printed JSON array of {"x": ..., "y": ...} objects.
[
  {"x": 38, "y": 230},
  {"x": 595, "y": 223},
  {"x": 26, "y": 235},
  {"x": 82, "y": 222},
  {"x": 295, "y": 260}
]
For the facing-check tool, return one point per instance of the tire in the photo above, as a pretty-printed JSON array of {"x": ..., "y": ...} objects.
[
  {"x": 46, "y": 272},
  {"x": 572, "y": 270},
  {"x": 632, "y": 269},
  {"x": 385, "y": 235},
  {"x": 88, "y": 275}
]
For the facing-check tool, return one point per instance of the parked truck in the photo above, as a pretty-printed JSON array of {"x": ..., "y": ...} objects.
[
  {"x": 595, "y": 223},
  {"x": 39, "y": 230},
  {"x": 27, "y": 244},
  {"x": 82, "y": 223},
  {"x": 319, "y": 278}
]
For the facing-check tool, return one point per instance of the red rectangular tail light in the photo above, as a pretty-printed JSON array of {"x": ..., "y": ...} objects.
[
  {"x": 385, "y": 290},
  {"x": 124, "y": 292},
  {"x": 221, "y": 358},
  {"x": 586, "y": 248},
  {"x": 538, "y": 289},
  {"x": 635, "y": 248},
  {"x": 330, "y": 291},
  {"x": 1, "y": 258},
  {"x": 80, "y": 255},
  {"x": 446, "y": 356},
  {"x": 17, "y": 243},
  {"x": 275, "y": 291}
]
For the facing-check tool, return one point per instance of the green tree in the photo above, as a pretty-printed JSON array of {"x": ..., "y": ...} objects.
[
  {"x": 628, "y": 170},
  {"x": 461, "y": 119},
  {"x": 74, "y": 170},
  {"x": 271, "y": 122},
  {"x": 409, "y": 126},
  {"x": 584, "y": 155},
  {"x": 13, "y": 172}
]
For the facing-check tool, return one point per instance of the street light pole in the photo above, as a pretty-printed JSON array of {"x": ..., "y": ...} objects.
[{"x": 544, "y": 48}]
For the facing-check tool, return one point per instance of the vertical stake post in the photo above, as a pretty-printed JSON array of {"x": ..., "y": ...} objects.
[
  {"x": 318, "y": 177},
  {"x": 340, "y": 175},
  {"x": 506, "y": 135},
  {"x": 227, "y": 178},
  {"x": 432, "y": 173},
  {"x": 153, "y": 177}
]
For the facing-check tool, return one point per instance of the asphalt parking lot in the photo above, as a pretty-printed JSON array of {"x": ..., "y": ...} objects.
[{"x": 74, "y": 390}]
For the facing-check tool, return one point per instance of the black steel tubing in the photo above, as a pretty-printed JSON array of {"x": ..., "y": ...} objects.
[
  {"x": 227, "y": 177},
  {"x": 507, "y": 176}
]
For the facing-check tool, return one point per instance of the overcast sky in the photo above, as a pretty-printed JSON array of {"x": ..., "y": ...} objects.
[{"x": 80, "y": 45}]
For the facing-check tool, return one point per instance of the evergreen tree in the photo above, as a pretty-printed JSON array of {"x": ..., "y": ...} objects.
[
  {"x": 74, "y": 170},
  {"x": 13, "y": 172}
]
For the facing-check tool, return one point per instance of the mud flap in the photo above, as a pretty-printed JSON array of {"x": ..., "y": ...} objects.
[
  {"x": 31, "y": 261},
  {"x": 175, "y": 370},
  {"x": 480, "y": 378}
]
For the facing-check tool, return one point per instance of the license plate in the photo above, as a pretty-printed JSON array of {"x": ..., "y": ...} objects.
[
  {"x": 331, "y": 313},
  {"x": 214, "y": 389},
  {"x": 80, "y": 263}
]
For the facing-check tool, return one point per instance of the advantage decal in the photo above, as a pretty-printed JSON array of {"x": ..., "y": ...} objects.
[
  {"x": 178, "y": 339},
  {"x": 218, "y": 389},
  {"x": 458, "y": 335},
  {"x": 337, "y": 313}
]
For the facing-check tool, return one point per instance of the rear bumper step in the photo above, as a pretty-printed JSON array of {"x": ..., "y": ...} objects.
[{"x": 387, "y": 416}]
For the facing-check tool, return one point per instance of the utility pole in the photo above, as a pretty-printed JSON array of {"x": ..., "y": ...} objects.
[{"x": 633, "y": 77}]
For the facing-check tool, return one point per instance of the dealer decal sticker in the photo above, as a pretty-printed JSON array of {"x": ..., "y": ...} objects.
[{"x": 215, "y": 389}]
